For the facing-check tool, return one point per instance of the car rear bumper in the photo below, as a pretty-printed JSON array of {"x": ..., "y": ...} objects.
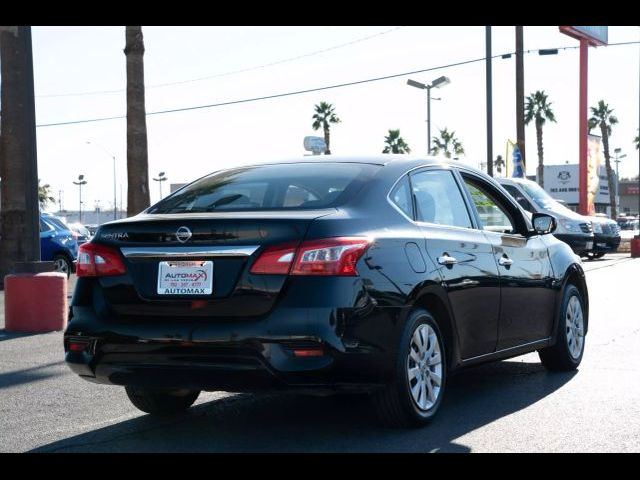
[
  {"x": 580, "y": 244},
  {"x": 231, "y": 355}
]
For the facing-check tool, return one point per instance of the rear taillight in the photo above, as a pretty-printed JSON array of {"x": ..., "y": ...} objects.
[
  {"x": 275, "y": 260},
  {"x": 78, "y": 345},
  {"x": 329, "y": 256},
  {"x": 99, "y": 261}
]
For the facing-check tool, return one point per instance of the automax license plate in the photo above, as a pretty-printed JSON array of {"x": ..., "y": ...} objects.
[{"x": 185, "y": 278}]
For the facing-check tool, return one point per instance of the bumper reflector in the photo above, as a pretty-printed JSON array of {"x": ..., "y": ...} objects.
[
  {"x": 308, "y": 352},
  {"x": 78, "y": 345}
]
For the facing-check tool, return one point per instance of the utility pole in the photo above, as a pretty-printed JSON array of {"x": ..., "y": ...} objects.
[
  {"x": 520, "y": 94},
  {"x": 20, "y": 230},
  {"x": 489, "y": 103}
]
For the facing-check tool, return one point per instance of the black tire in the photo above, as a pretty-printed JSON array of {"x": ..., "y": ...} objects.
[
  {"x": 159, "y": 401},
  {"x": 63, "y": 264},
  {"x": 395, "y": 404},
  {"x": 558, "y": 358}
]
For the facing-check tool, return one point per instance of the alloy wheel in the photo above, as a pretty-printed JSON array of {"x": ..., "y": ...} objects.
[
  {"x": 424, "y": 367},
  {"x": 61, "y": 265},
  {"x": 574, "y": 327}
]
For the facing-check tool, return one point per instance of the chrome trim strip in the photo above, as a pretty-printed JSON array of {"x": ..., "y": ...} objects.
[
  {"x": 541, "y": 341},
  {"x": 189, "y": 251}
]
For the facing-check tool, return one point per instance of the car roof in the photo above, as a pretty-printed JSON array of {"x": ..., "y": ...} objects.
[
  {"x": 513, "y": 180},
  {"x": 375, "y": 159}
]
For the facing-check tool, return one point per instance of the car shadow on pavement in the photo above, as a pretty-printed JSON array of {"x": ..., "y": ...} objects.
[
  {"x": 293, "y": 423},
  {"x": 32, "y": 374},
  {"x": 4, "y": 335}
]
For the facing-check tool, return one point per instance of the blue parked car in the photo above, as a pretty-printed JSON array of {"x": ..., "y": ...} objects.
[{"x": 58, "y": 244}]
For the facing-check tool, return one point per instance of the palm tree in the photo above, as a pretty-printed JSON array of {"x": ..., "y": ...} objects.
[
  {"x": 499, "y": 163},
  {"x": 601, "y": 117},
  {"x": 44, "y": 195},
  {"x": 538, "y": 108},
  {"x": 447, "y": 143},
  {"x": 395, "y": 143},
  {"x": 325, "y": 115},
  {"x": 137, "y": 161}
]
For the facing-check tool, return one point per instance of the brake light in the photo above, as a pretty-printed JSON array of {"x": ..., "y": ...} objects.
[
  {"x": 78, "y": 345},
  {"x": 275, "y": 260},
  {"x": 98, "y": 261},
  {"x": 329, "y": 256},
  {"x": 308, "y": 352}
]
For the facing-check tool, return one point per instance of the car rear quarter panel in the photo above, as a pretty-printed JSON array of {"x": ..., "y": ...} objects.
[{"x": 391, "y": 277}]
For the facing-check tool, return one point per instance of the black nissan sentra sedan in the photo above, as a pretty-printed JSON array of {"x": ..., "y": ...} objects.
[{"x": 380, "y": 274}]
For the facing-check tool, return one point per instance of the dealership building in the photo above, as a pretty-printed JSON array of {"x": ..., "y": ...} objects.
[
  {"x": 629, "y": 193},
  {"x": 562, "y": 183}
]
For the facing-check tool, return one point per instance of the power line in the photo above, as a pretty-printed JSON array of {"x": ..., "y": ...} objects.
[
  {"x": 232, "y": 72},
  {"x": 300, "y": 92}
]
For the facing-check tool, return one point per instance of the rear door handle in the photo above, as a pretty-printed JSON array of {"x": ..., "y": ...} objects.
[
  {"x": 445, "y": 259},
  {"x": 505, "y": 261}
]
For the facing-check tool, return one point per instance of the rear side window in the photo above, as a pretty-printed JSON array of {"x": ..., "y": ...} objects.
[
  {"x": 438, "y": 199},
  {"x": 271, "y": 187},
  {"x": 401, "y": 196}
]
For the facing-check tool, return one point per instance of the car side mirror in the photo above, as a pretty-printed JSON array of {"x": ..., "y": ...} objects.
[{"x": 543, "y": 223}]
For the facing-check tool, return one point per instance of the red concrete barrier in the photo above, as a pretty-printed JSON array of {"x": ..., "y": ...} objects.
[
  {"x": 635, "y": 246},
  {"x": 35, "y": 302}
]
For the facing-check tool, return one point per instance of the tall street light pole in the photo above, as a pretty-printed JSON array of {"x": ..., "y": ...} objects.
[
  {"x": 618, "y": 159},
  {"x": 437, "y": 83},
  {"x": 115, "y": 208},
  {"x": 81, "y": 181},
  {"x": 489, "y": 102},
  {"x": 520, "y": 95},
  {"x": 161, "y": 178}
]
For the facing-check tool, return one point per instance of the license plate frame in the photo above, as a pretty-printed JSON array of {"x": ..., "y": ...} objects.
[{"x": 185, "y": 278}]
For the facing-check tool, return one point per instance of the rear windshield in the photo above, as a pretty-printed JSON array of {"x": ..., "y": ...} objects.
[{"x": 270, "y": 187}]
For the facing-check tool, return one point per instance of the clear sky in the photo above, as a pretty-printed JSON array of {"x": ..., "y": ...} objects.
[{"x": 249, "y": 62}]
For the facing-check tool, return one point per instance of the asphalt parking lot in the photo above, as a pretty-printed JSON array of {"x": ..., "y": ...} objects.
[{"x": 509, "y": 406}]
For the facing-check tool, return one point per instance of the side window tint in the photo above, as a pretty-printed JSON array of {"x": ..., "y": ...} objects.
[
  {"x": 401, "y": 196},
  {"x": 438, "y": 199},
  {"x": 493, "y": 216},
  {"x": 515, "y": 193}
]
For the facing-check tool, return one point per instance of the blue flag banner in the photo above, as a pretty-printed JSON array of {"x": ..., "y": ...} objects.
[{"x": 518, "y": 165}]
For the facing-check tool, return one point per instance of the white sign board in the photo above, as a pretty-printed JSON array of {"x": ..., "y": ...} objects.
[
  {"x": 316, "y": 145},
  {"x": 562, "y": 182}
]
